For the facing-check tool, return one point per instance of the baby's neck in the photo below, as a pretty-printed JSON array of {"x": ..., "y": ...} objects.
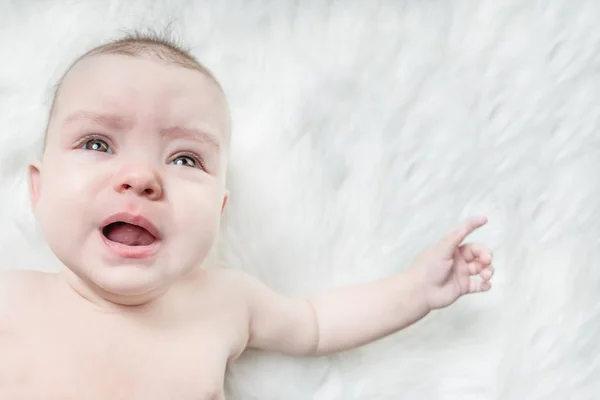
[{"x": 159, "y": 305}]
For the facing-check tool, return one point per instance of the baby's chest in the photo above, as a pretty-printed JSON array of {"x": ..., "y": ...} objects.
[{"x": 102, "y": 365}]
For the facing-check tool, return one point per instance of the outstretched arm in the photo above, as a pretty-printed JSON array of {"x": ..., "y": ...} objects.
[
  {"x": 352, "y": 316},
  {"x": 334, "y": 320}
]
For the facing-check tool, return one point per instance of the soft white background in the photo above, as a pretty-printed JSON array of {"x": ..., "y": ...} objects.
[{"x": 363, "y": 132}]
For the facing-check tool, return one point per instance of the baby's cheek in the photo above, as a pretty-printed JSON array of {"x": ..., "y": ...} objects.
[
  {"x": 199, "y": 222},
  {"x": 197, "y": 225}
]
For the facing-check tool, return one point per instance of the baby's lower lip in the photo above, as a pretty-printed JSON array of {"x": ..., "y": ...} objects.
[{"x": 132, "y": 252}]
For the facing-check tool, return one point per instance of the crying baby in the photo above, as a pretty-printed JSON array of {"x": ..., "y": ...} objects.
[{"x": 129, "y": 194}]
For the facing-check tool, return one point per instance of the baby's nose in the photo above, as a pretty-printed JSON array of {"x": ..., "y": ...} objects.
[{"x": 141, "y": 180}]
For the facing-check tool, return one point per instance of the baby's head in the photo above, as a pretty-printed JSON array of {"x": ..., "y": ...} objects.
[{"x": 131, "y": 185}]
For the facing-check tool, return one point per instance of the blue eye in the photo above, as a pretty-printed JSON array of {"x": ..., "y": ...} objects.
[
  {"x": 97, "y": 145},
  {"x": 186, "y": 161}
]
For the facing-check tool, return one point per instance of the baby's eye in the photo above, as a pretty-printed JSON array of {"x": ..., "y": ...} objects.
[
  {"x": 186, "y": 161},
  {"x": 97, "y": 145}
]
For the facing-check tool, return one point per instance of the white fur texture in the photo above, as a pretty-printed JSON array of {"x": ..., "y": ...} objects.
[{"x": 362, "y": 132}]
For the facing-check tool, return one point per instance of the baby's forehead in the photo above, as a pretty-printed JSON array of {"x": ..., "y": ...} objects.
[
  {"x": 108, "y": 73},
  {"x": 136, "y": 46},
  {"x": 126, "y": 85}
]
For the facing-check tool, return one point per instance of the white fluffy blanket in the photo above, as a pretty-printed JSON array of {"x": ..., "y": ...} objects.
[{"x": 363, "y": 131}]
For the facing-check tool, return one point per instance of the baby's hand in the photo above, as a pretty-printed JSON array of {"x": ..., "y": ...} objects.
[{"x": 445, "y": 271}]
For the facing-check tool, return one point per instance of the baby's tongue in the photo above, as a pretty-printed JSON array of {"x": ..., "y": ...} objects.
[{"x": 127, "y": 234}]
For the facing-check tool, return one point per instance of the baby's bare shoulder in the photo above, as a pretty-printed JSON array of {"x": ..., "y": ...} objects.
[
  {"x": 239, "y": 285},
  {"x": 19, "y": 287},
  {"x": 230, "y": 280},
  {"x": 226, "y": 288},
  {"x": 17, "y": 280}
]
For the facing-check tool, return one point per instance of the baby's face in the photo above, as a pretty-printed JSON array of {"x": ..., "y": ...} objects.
[{"x": 131, "y": 187}]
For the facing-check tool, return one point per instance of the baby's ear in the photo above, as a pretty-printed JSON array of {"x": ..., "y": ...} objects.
[
  {"x": 33, "y": 180},
  {"x": 225, "y": 199}
]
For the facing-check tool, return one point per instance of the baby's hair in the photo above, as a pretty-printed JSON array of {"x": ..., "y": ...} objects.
[{"x": 152, "y": 45}]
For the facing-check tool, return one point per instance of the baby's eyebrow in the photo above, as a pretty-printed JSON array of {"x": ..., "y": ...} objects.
[
  {"x": 110, "y": 121},
  {"x": 119, "y": 122},
  {"x": 197, "y": 135}
]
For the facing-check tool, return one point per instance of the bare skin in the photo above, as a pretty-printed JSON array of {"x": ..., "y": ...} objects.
[
  {"x": 137, "y": 141},
  {"x": 57, "y": 345}
]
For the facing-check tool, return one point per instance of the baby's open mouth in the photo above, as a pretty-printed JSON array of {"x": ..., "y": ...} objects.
[{"x": 128, "y": 234}]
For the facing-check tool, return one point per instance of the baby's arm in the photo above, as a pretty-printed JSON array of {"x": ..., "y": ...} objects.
[
  {"x": 331, "y": 321},
  {"x": 352, "y": 316}
]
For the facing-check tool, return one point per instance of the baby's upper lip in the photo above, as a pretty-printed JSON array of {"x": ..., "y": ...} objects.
[{"x": 133, "y": 219}]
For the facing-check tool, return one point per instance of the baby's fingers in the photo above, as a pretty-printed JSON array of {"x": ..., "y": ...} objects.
[
  {"x": 478, "y": 286},
  {"x": 458, "y": 234},
  {"x": 487, "y": 273},
  {"x": 471, "y": 252},
  {"x": 473, "y": 268},
  {"x": 482, "y": 282}
]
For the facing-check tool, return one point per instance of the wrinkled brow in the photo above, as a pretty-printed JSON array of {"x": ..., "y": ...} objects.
[
  {"x": 118, "y": 122},
  {"x": 197, "y": 135},
  {"x": 110, "y": 121}
]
